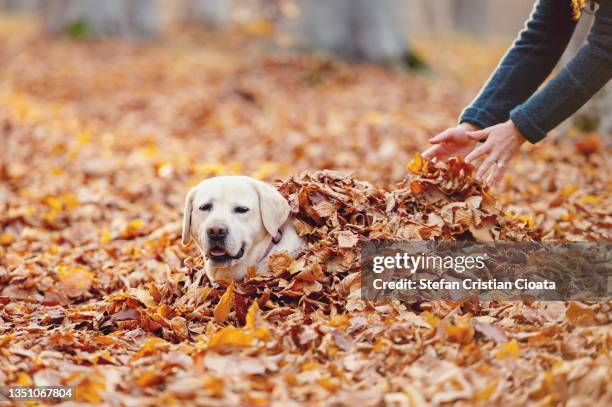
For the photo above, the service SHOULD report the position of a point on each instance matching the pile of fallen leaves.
(100, 143)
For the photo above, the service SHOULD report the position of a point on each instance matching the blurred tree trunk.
(135, 19)
(20, 6)
(471, 16)
(214, 13)
(355, 30)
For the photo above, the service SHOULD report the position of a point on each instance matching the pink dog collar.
(275, 240)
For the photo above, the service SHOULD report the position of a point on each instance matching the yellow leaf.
(230, 336)
(261, 334)
(486, 393)
(151, 347)
(328, 383)
(4, 339)
(416, 165)
(431, 319)
(62, 202)
(144, 296)
(379, 345)
(252, 315)
(591, 199)
(106, 237)
(291, 379)
(339, 321)
(213, 385)
(150, 150)
(508, 350)
(133, 228)
(90, 387)
(527, 220)
(310, 366)
(23, 380)
(569, 190)
(224, 306)
(84, 137)
(75, 281)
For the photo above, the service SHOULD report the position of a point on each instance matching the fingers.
(485, 166)
(479, 135)
(496, 174)
(438, 151)
(444, 136)
(498, 171)
(432, 152)
(477, 153)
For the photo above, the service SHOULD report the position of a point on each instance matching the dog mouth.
(220, 255)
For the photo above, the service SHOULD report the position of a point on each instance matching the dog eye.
(241, 209)
(206, 207)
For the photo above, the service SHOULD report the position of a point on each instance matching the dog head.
(231, 218)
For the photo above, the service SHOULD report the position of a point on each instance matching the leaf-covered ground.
(99, 143)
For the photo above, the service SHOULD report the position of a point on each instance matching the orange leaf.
(90, 386)
(339, 321)
(431, 319)
(252, 315)
(580, 314)
(589, 146)
(213, 385)
(230, 336)
(329, 383)
(416, 187)
(461, 332)
(149, 377)
(6, 239)
(151, 347)
(224, 306)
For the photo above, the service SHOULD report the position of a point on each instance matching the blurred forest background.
(384, 31)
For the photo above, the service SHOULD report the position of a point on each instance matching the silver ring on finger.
(500, 164)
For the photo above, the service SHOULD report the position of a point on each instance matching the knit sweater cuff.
(525, 125)
(479, 117)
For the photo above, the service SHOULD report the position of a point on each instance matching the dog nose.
(217, 232)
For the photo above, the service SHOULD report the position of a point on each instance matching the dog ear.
(273, 206)
(187, 217)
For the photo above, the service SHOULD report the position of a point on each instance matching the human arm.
(525, 66)
(574, 85)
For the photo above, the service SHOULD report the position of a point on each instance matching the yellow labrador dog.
(237, 222)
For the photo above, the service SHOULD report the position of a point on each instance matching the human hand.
(451, 143)
(501, 143)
